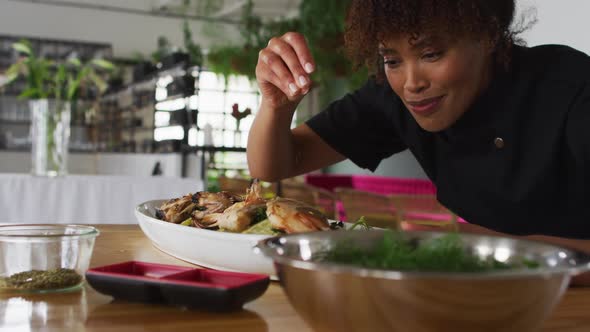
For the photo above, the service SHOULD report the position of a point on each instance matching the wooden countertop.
(87, 310)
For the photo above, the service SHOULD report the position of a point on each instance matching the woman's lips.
(426, 106)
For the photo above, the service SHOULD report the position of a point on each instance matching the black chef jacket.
(518, 161)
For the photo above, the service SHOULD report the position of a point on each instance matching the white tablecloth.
(83, 199)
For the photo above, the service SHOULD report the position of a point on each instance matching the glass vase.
(237, 138)
(50, 136)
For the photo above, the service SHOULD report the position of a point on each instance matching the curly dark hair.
(369, 22)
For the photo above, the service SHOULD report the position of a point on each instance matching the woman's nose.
(415, 80)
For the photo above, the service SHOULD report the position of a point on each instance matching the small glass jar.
(43, 258)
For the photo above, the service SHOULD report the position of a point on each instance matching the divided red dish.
(182, 286)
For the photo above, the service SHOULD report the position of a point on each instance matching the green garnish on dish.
(362, 223)
(259, 215)
(188, 222)
(263, 227)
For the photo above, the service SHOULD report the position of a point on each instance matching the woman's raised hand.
(283, 70)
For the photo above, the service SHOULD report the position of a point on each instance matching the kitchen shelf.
(171, 98)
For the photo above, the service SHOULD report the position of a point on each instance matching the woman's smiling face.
(437, 79)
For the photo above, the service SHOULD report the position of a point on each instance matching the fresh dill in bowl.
(396, 252)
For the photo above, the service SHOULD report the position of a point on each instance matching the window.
(214, 100)
(212, 103)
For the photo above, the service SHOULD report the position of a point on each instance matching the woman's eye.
(432, 55)
(391, 62)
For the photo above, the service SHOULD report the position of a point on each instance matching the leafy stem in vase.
(239, 115)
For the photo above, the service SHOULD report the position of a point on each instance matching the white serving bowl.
(211, 249)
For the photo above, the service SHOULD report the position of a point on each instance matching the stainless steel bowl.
(337, 297)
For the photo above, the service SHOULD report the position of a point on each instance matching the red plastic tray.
(175, 285)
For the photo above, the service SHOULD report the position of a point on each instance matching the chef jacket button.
(499, 142)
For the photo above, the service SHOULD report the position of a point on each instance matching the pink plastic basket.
(376, 184)
(329, 181)
(390, 185)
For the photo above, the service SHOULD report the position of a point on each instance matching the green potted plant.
(52, 88)
(242, 59)
(322, 23)
(194, 50)
(326, 39)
